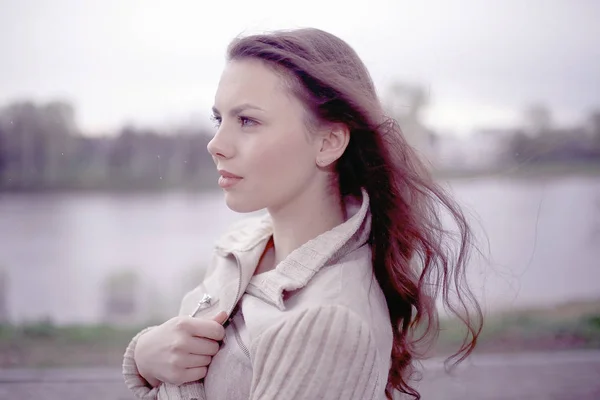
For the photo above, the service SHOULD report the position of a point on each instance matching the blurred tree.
(19, 147)
(541, 142)
(36, 143)
(122, 160)
(3, 157)
(594, 127)
(41, 148)
(406, 103)
(57, 120)
(538, 120)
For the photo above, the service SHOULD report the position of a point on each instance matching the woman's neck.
(306, 217)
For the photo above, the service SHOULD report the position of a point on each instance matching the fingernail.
(221, 317)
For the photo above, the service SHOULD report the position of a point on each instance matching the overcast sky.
(148, 61)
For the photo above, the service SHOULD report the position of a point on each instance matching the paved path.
(535, 376)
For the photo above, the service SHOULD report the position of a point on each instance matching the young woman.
(331, 293)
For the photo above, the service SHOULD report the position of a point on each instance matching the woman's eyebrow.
(238, 109)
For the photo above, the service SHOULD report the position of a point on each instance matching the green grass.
(567, 326)
(44, 344)
(47, 331)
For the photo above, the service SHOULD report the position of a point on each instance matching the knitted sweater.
(315, 327)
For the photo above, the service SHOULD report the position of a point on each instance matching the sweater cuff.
(134, 381)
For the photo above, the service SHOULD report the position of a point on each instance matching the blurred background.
(109, 206)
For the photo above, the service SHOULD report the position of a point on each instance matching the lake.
(541, 238)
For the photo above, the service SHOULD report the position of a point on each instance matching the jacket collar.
(296, 270)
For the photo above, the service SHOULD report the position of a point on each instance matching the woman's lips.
(227, 179)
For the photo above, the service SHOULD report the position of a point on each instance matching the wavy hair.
(416, 260)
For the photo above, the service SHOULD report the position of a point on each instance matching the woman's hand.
(180, 350)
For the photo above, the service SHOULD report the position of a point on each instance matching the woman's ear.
(333, 143)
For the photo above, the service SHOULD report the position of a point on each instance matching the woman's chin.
(238, 204)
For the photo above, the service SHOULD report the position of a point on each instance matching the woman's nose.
(218, 146)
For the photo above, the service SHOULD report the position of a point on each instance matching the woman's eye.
(216, 120)
(245, 121)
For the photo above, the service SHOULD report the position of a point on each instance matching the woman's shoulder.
(348, 279)
(348, 283)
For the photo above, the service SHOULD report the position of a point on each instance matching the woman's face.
(262, 146)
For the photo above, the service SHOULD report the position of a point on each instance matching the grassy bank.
(573, 325)
(568, 326)
(44, 344)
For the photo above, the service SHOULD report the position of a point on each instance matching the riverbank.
(568, 326)
(548, 170)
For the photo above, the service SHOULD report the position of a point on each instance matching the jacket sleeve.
(134, 381)
(326, 353)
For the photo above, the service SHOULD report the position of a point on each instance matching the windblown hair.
(416, 260)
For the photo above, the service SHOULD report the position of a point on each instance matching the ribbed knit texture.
(142, 389)
(323, 353)
(134, 381)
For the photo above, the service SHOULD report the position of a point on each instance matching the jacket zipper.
(203, 304)
(239, 289)
(236, 333)
(238, 339)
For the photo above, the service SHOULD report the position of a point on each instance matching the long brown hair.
(415, 258)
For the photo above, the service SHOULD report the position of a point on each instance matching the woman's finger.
(195, 361)
(202, 346)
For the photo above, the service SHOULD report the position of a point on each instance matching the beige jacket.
(315, 327)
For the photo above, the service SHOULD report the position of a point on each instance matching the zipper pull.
(205, 302)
